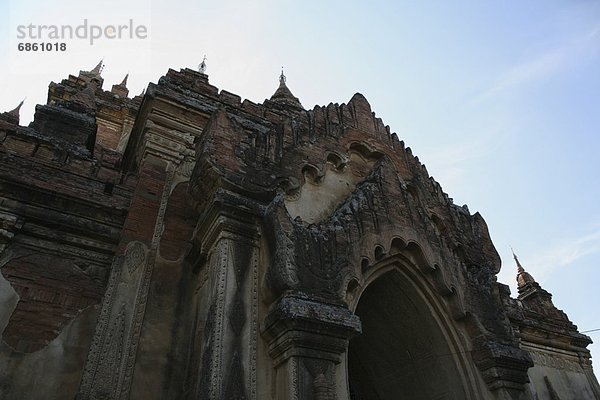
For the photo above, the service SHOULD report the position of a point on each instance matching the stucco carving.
(234, 242)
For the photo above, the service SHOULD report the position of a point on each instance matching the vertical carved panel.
(134, 256)
(221, 273)
(128, 284)
(94, 358)
(253, 324)
(210, 381)
(141, 297)
(196, 338)
(109, 365)
(317, 380)
(105, 358)
(234, 383)
(228, 362)
(206, 377)
(291, 378)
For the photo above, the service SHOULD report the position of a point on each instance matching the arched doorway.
(403, 352)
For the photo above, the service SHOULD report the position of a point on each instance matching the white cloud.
(541, 66)
(450, 164)
(575, 51)
(564, 254)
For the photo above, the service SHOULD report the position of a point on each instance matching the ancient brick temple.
(185, 244)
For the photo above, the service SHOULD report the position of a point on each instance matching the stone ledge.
(299, 325)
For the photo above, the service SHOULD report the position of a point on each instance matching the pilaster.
(109, 367)
(228, 361)
(307, 338)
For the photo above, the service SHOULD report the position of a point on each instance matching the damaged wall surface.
(186, 244)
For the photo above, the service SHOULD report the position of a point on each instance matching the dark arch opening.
(402, 352)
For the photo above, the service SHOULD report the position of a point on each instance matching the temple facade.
(186, 244)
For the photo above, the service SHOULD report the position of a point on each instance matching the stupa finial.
(202, 66)
(282, 78)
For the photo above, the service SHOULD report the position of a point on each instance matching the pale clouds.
(450, 164)
(538, 67)
(564, 254)
(577, 50)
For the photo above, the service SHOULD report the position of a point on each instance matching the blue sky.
(500, 100)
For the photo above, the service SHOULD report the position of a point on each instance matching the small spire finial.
(98, 68)
(17, 109)
(14, 114)
(202, 66)
(520, 269)
(124, 83)
(282, 77)
(523, 277)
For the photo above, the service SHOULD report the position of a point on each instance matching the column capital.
(303, 326)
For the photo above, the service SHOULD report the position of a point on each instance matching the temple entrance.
(403, 353)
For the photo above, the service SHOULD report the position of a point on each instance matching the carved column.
(228, 360)
(307, 339)
(110, 362)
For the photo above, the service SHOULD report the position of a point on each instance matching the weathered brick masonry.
(186, 244)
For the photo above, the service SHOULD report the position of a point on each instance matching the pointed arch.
(409, 330)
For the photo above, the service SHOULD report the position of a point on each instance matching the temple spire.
(17, 110)
(537, 298)
(282, 78)
(13, 115)
(98, 68)
(524, 278)
(121, 88)
(283, 96)
(202, 66)
(520, 269)
(94, 75)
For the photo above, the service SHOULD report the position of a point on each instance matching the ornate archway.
(408, 348)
